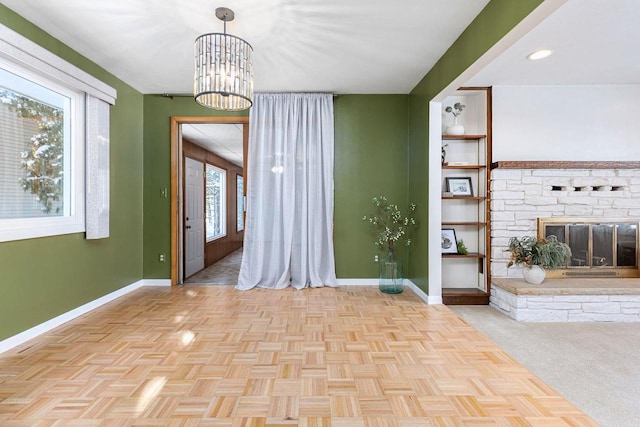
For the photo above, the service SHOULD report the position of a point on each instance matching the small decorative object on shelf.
(448, 241)
(459, 186)
(462, 248)
(456, 110)
(444, 154)
(391, 226)
(537, 255)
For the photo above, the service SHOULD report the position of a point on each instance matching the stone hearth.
(568, 300)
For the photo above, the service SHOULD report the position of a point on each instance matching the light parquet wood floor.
(214, 356)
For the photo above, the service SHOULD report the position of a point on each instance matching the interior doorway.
(219, 238)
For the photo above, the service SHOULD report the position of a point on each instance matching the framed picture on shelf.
(448, 241)
(460, 186)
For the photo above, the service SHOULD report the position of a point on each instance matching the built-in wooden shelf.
(464, 167)
(470, 216)
(464, 223)
(469, 255)
(464, 296)
(463, 198)
(463, 137)
(517, 164)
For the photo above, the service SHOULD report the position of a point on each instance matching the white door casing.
(193, 217)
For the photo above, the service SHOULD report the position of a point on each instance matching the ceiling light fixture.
(224, 71)
(539, 54)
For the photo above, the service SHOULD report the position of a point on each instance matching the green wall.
(370, 160)
(43, 278)
(158, 111)
(495, 21)
(381, 149)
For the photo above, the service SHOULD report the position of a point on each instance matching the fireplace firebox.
(600, 247)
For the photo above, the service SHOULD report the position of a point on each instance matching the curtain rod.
(174, 95)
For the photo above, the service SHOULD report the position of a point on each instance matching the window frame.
(73, 218)
(91, 198)
(223, 202)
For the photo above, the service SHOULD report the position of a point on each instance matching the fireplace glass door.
(597, 246)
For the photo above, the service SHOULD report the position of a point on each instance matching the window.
(41, 155)
(240, 203)
(52, 114)
(215, 202)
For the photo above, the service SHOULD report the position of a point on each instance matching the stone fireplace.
(594, 207)
(584, 202)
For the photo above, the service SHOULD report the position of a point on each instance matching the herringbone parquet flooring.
(214, 356)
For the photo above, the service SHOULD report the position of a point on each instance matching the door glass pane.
(240, 203)
(215, 209)
(579, 243)
(627, 238)
(602, 245)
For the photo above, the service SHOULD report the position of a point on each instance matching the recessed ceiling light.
(539, 54)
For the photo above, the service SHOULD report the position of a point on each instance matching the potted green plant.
(391, 227)
(538, 255)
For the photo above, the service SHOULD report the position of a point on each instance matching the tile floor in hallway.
(223, 272)
(211, 355)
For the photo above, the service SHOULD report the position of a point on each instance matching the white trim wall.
(435, 201)
(569, 123)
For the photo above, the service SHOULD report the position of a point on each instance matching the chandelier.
(223, 77)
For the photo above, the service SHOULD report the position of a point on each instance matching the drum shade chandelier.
(223, 77)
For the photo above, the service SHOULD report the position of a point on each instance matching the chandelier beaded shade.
(223, 77)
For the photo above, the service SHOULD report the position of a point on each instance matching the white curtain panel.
(289, 231)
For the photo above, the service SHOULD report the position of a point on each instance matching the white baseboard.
(408, 283)
(426, 298)
(358, 282)
(31, 333)
(156, 282)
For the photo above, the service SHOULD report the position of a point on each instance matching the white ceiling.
(222, 139)
(339, 46)
(595, 42)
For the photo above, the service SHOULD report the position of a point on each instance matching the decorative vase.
(391, 274)
(456, 128)
(534, 274)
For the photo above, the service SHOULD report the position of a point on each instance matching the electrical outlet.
(375, 258)
(164, 193)
(161, 257)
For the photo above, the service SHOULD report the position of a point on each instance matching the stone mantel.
(563, 164)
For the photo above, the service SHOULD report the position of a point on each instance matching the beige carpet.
(596, 366)
(223, 272)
